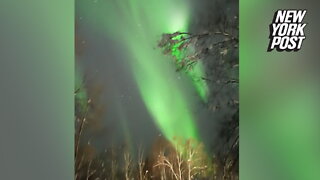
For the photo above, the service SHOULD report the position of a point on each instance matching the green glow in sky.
(195, 73)
(138, 25)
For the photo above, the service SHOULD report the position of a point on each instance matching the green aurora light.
(138, 25)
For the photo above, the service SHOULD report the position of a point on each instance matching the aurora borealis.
(137, 26)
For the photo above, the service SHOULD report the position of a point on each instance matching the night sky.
(117, 50)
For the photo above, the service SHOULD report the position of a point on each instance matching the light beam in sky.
(138, 25)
